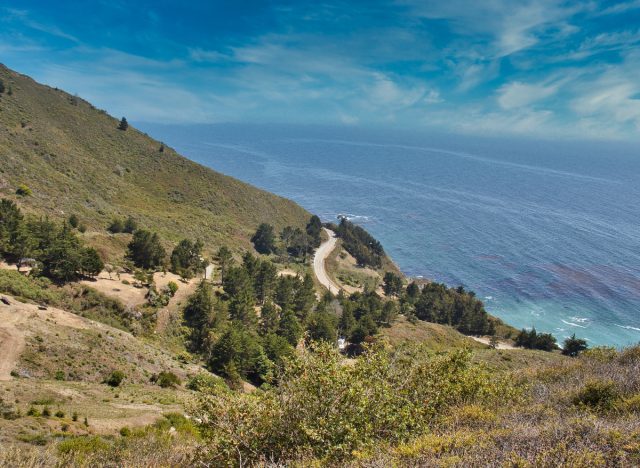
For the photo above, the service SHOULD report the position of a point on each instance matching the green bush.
(206, 383)
(83, 445)
(172, 286)
(325, 409)
(46, 412)
(23, 191)
(168, 379)
(598, 394)
(115, 378)
(59, 414)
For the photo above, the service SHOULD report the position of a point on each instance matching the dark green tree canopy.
(145, 250)
(123, 125)
(264, 239)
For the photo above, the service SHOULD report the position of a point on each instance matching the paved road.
(319, 258)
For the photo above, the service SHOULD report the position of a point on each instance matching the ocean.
(546, 233)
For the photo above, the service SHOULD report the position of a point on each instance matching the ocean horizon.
(545, 232)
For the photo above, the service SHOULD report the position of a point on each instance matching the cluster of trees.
(258, 321)
(436, 302)
(294, 242)
(531, 339)
(363, 246)
(57, 250)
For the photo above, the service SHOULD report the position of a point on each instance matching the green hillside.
(75, 160)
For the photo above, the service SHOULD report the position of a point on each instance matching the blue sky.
(542, 68)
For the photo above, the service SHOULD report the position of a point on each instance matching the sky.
(544, 68)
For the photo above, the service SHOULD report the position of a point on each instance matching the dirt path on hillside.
(319, 260)
(499, 345)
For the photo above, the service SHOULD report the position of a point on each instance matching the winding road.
(319, 258)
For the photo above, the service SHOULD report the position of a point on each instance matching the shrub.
(172, 287)
(115, 378)
(46, 412)
(74, 221)
(598, 394)
(327, 410)
(206, 383)
(83, 445)
(125, 432)
(23, 191)
(59, 375)
(59, 414)
(74, 416)
(33, 411)
(168, 379)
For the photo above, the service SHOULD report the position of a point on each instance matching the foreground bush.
(327, 409)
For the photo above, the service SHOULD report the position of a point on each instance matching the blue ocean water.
(547, 233)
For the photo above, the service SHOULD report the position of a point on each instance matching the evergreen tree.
(265, 281)
(145, 250)
(186, 258)
(322, 327)
(347, 321)
(290, 328)
(413, 290)
(573, 346)
(225, 261)
(392, 284)
(269, 319)
(90, 262)
(314, 229)
(305, 297)
(1, 86)
(264, 239)
(74, 221)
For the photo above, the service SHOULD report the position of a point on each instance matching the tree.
(265, 281)
(145, 250)
(123, 125)
(322, 327)
(1, 86)
(203, 313)
(305, 297)
(225, 261)
(90, 262)
(347, 321)
(392, 284)
(62, 257)
(264, 239)
(269, 318)
(314, 229)
(239, 352)
(573, 346)
(186, 258)
(413, 290)
(290, 328)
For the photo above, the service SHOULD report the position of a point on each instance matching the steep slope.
(75, 160)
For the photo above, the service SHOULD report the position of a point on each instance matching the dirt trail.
(319, 259)
(499, 345)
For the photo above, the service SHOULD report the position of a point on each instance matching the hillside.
(75, 160)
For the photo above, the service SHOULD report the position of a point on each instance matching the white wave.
(489, 298)
(580, 319)
(572, 324)
(627, 327)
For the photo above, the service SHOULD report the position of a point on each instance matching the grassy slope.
(76, 161)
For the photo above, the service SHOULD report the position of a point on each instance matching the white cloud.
(517, 94)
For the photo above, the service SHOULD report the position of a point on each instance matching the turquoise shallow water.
(547, 233)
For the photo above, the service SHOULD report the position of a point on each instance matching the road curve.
(319, 258)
